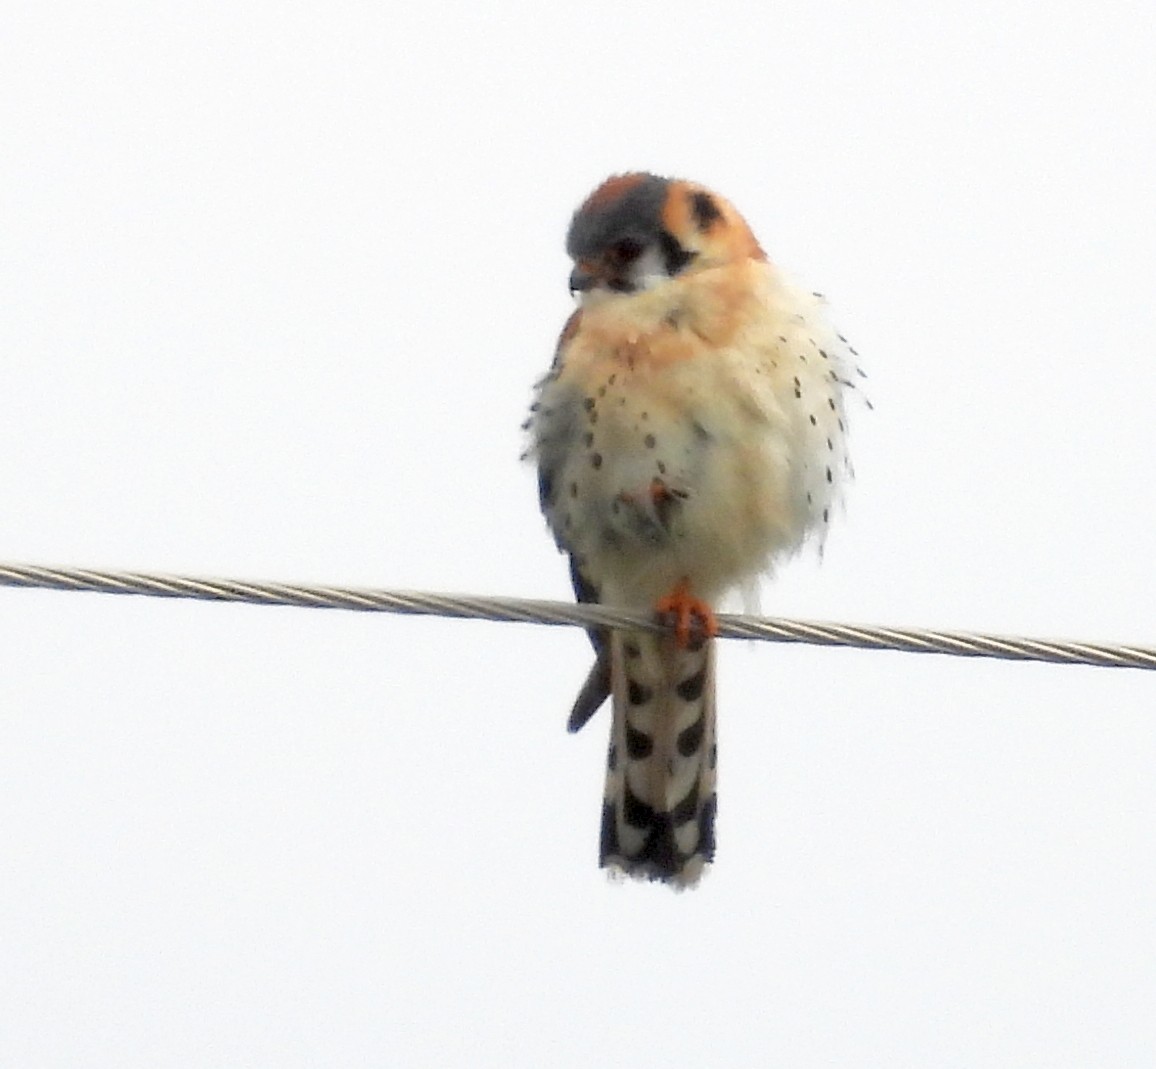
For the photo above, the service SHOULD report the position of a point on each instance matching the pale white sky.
(276, 282)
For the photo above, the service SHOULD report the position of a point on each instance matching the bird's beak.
(582, 278)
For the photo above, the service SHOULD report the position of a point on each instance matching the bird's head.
(638, 231)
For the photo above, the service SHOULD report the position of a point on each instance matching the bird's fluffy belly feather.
(675, 472)
(693, 437)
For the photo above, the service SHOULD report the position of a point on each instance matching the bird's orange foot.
(693, 620)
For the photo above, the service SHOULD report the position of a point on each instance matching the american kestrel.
(689, 434)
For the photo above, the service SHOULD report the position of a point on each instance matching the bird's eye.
(625, 251)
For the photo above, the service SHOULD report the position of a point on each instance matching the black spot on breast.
(691, 739)
(650, 441)
(596, 460)
(829, 479)
(690, 690)
(826, 515)
(639, 745)
(704, 210)
(675, 256)
(588, 438)
(661, 468)
(814, 421)
(631, 650)
(588, 404)
(573, 489)
(612, 758)
(637, 694)
(714, 755)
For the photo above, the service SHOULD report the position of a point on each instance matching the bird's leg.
(651, 506)
(664, 498)
(693, 620)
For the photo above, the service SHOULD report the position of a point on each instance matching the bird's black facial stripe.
(705, 210)
(674, 255)
(630, 262)
(627, 250)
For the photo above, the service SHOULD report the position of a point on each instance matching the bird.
(689, 435)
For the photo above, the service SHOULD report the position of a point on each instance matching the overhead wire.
(478, 607)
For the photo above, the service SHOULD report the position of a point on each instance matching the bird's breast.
(675, 456)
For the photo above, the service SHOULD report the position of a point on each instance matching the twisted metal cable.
(907, 640)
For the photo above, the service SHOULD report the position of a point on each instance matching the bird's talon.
(692, 619)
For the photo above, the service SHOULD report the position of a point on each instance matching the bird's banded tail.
(659, 804)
